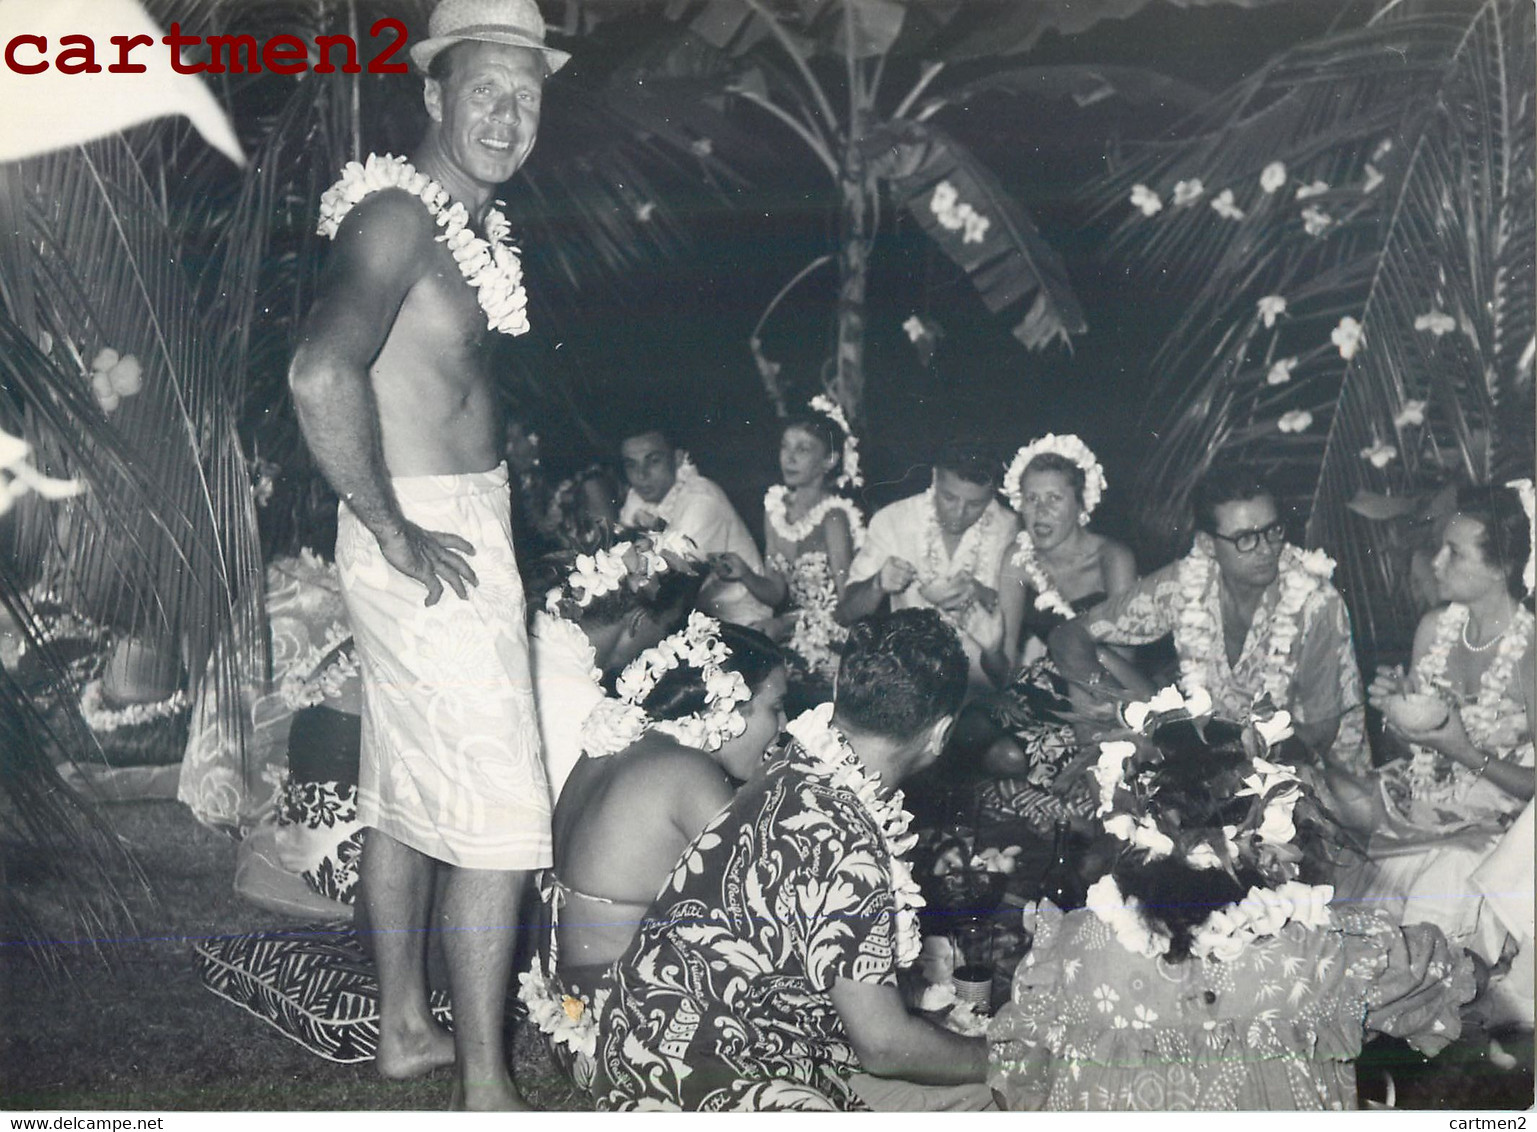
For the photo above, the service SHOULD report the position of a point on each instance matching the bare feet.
(487, 1096)
(403, 1054)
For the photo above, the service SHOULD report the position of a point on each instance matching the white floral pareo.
(833, 756)
(490, 265)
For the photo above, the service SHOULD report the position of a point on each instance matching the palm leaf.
(1009, 264)
(1421, 125)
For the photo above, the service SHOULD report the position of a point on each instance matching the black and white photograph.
(798, 556)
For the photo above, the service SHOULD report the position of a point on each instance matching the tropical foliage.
(864, 87)
(1358, 218)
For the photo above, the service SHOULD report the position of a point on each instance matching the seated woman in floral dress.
(810, 536)
(693, 718)
(1206, 971)
(1059, 569)
(1465, 708)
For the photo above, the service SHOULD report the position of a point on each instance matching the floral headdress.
(849, 476)
(632, 563)
(1069, 447)
(1264, 838)
(697, 645)
(1528, 494)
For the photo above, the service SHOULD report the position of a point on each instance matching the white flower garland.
(1275, 781)
(1069, 447)
(611, 726)
(1228, 930)
(968, 551)
(299, 691)
(1048, 598)
(849, 475)
(776, 512)
(565, 1019)
(595, 575)
(99, 717)
(1198, 633)
(1431, 775)
(816, 630)
(833, 757)
(699, 646)
(490, 265)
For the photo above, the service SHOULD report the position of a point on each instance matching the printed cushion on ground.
(313, 983)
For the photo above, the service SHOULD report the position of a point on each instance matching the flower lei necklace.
(490, 265)
(1198, 631)
(968, 551)
(99, 717)
(776, 511)
(1048, 598)
(1428, 769)
(832, 756)
(699, 646)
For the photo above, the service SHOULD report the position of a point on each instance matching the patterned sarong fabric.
(450, 751)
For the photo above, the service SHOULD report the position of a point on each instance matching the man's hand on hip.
(425, 555)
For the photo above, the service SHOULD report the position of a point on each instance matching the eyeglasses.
(1246, 542)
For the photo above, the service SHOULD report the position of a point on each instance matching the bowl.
(1416, 711)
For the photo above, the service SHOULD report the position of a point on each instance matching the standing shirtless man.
(392, 384)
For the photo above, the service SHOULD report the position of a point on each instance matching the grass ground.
(140, 1033)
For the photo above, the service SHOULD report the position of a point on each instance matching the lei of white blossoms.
(697, 645)
(1431, 775)
(1264, 911)
(595, 575)
(1047, 597)
(849, 475)
(775, 510)
(969, 550)
(99, 717)
(565, 1019)
(490, 265)
(1069, 447)
(299, 691)
(833, 757)
(1198, 636)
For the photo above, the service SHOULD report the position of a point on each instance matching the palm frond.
(1007, 260)
(1419, 127)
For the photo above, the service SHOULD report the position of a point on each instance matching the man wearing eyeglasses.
(1228, 605)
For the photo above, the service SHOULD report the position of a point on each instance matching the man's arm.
(384, 246)
(890, 1042)
(875, 572)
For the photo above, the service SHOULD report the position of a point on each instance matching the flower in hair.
(631, 563)
(849, 476)
(698, 646)
(1069, 447)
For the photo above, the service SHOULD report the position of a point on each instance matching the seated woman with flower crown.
(810, 536)
(1207, 971)
(1465, 710)
(1020, 739)
(693, 717)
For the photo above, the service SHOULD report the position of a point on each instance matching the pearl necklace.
(1490, 643)
(491, 265)
(776, 511)
(1429, 771)
(832, 757)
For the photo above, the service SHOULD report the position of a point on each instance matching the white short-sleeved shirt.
(698, 508)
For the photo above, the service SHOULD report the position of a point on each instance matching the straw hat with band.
(516, 23)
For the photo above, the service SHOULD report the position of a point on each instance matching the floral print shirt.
(1091, 1025)
(723, 1002)
(1325, 682)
